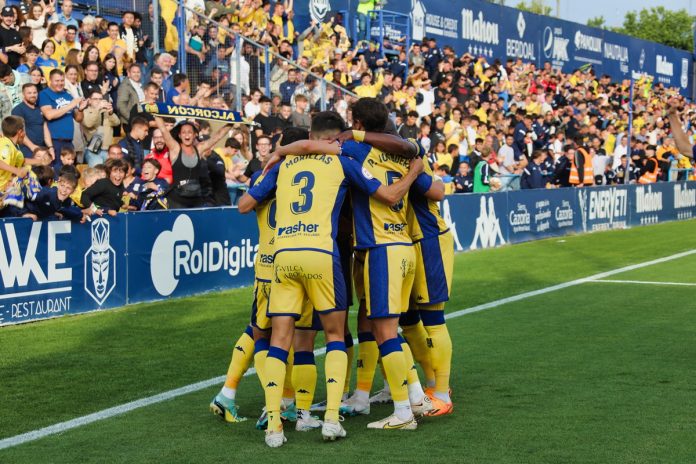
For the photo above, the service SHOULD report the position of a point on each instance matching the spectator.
(98, 125)
(55, 202)
(410, 130)
(11, 83)
(160, 153)
(72, 42)
(61, 111)
(36, 129)
(105, 195)
(533, 176)
(131, 145)
(56, 34)
(130, 93)
(189, 169)
(10, 41)
(113, 44)
(287, 88)
(11, 159)
(145, 191)
(92, 80)
(37, 20)
(266, 124)
(463, 181)
(65, 16)
(299, 117)
(219, 195)
(253, 106)
(128, 34)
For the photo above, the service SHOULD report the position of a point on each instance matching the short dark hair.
(179, 79)
(233, 143)
(28, 85)
(293, 134)
(72, 27)
(372, 113)
(112, 24)
(68, 177)
(325, 121)
(11, 125)
(55, 72)
(5, 70)
(151, 85)
(115, 164)
(157, 165)
(265, 99)
(139, 121)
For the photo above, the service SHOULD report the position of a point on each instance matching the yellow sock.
(396, 369)
(288, 389)
(241, 358)
(335, 370)
(304, 379)
(417, 338)
(410, 363)
(260, 353)
(368, 354)
(275, 367)
(350, 353)
(441, 356)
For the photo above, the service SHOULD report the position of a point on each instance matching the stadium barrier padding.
(54, 268)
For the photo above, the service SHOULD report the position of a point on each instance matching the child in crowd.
(55, 202)
(105, 195)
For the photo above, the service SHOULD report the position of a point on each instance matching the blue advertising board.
(55, 268)
(177, 253)
(494, 31)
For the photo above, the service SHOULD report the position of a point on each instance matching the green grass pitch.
(597, 372)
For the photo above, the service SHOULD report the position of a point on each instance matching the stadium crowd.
(75, 129)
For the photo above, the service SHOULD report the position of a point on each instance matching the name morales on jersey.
(298, 228)
(326, 159)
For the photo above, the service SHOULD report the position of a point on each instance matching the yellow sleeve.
(379, 83)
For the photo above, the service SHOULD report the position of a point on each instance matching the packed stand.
(73, 95)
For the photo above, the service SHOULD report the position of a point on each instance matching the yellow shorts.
(301, 275)
(388, 278)
(262, 290)
(359, 274)
(434, 267)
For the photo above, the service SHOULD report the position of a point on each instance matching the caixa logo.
(176, 255)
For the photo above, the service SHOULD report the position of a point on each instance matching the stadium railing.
(260, 72)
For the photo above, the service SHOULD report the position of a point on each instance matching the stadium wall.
(55, 268)
(495, 31)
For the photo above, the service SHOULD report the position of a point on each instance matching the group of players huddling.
(329, 201)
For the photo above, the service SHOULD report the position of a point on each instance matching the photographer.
(98, 127)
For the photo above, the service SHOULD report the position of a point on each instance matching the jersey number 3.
(305, 180)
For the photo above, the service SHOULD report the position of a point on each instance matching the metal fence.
(250, 66)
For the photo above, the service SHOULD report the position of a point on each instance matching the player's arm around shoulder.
(261, 191)
(393, 193)
(385, 142)
(303, 147)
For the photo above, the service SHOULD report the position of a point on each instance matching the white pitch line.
(645, 282)
(164, 396)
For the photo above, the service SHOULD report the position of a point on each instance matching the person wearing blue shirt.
(54, 202)
(147, 187)
(61, 111)
(533, 176)
(37, 133)
(287, 88)
(65, 15)
(521, 130)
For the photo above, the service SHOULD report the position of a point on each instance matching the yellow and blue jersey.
(10, 154)
(423, 215)
(377, 224)
(310, 190)
(265, 219)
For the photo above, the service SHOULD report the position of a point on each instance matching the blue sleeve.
(266, 188)
(356, 150)
(359, 177)
(423, 183)
(72, 213)
(44, 100)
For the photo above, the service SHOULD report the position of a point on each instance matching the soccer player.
(383, 243)
(310, 194)
(254, 341)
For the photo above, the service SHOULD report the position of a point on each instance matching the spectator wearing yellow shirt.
(110, 43)
(366, 89)
(11, 159)
(56, 34)
(454, 132)
(282, 17)
(482, 112)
